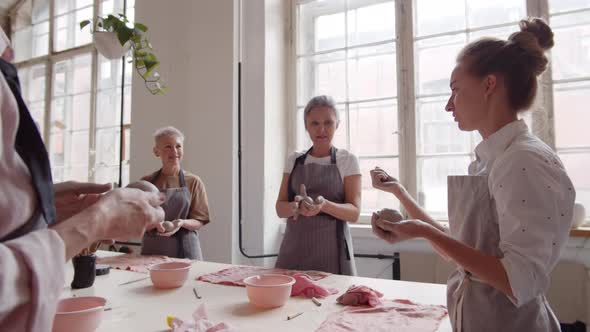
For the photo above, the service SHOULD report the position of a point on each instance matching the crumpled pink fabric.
(200, 323)
(360, 295)
(396, 315)
(306, 286)
(135, 262)
(235, 275)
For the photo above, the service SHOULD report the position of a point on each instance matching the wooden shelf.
(580, 232)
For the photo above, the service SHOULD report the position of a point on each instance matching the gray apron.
(474, 305)
(321, 242)
(183, 243)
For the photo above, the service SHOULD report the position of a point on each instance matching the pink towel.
(396, 315)
(306, 286)
(235, 275)
(360, 295)
(135, 262)
(200, 323)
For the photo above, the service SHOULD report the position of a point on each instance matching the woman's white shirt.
(534, 200)
(347, 163)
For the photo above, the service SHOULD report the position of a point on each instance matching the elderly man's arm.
(31, 280)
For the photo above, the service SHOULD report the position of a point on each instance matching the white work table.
(139, 306)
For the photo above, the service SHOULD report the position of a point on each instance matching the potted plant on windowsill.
(114, 35)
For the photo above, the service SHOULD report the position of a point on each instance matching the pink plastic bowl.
(169, 275)
(269, 290)
(81, 314)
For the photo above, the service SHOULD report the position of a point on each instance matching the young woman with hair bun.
(510, 217)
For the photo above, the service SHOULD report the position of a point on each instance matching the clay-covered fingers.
(381, 233)
(81, 188)
(154, 199)
(320, 200)
(387, 225)
(380, 176)
(384, 233)
(302, 190)
(128, 212)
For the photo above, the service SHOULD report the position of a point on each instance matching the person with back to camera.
(42, 224)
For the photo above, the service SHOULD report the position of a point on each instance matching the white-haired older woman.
(186, 203)
(317, 236)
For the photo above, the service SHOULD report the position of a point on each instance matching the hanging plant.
(114, 35)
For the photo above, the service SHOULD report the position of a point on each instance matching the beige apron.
(473, 305)
(183, 243)
(321, 242)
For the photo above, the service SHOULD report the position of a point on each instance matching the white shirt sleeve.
(31, 280)
(348, 163)
(534, 201)
(291, 162)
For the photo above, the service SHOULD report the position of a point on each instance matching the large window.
(74, 93)
(388, 63)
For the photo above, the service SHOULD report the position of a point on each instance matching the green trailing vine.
(142, 51)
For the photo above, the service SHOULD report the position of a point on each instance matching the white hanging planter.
(108, 45)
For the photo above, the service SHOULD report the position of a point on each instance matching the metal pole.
(121, 123)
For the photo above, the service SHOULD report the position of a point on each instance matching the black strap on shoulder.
(301, 161)
(29, 145)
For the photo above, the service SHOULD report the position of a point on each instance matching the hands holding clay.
(305, 205)
(171, 227)
(71, 197)
(146, 186)
(383, 181)
(389, 225)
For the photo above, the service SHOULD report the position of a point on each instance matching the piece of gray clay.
(391, 215)
(319, 200)
(308, 200)
(168, 226)
(144, 186)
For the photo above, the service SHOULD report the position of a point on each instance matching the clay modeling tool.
(196, 293)
(294, 316)
(132, 281)
(316, 301)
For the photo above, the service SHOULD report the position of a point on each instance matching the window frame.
(50, 60)
(407, 95)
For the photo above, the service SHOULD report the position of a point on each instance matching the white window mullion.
(406, 95)
(542, 110)
(346, 77)
(93, 99)
(292, 88)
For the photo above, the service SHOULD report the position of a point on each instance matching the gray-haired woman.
(317, 235)
(186, 205)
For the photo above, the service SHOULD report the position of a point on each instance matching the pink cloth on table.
(135, 262)
(235, 275)
(200, 323)
(360, 295)
(396, 315)
(306, 286)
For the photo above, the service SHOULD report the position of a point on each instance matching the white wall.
(264, 122)
(196, 42)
